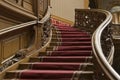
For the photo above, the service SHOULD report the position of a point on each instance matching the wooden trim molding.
(10, 20)
(17, 6)
(86, 3)
(62, 19)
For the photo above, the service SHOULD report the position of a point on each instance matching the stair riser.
(53, 75)
(70, 36)
(70, 40)
(55, 67)
(67, 49)
(70, 44)
(49, 59)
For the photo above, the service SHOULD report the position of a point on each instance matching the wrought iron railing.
(98, 23)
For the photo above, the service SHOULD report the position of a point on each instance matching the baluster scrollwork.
(17, 57)
(85, 20)
(98, 23)
(46, 31)
(106, 41)
(90, 20)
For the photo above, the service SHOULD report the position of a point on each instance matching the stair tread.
(69, 51)
(71, 39)
(73, 42)
(65, 53)
(61, 57)
(51, 71)
(51, 74)
(60, 63)
(81, 46)
(73, 32)
(70, 43)
(87, 47)
(56, 66)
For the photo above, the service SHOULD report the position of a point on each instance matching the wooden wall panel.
(4, 23)
(0, 52)
(27, 4)
(10, 46)
(43, 5)
(13, 1)
(26, 39)
(108, 4)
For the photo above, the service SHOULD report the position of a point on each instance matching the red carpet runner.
(68, 58)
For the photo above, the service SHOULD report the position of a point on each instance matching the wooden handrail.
(43, 20)
(3, 31)
(46, 17)
(98, 22)
(97, 48)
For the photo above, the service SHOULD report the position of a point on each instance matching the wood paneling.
(10, 46)
(0, 52)
(22, 5)
(13, 1)
(27, 4)
(43, 5)
(24, 40)
(5, 24)
(108, 4)
(19, 11)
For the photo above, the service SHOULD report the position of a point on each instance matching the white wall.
(65, 8)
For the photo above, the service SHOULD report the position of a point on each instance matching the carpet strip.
(69, 57)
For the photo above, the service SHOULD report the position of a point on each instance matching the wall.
(65, 8)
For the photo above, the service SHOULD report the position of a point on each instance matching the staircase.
(69, 57)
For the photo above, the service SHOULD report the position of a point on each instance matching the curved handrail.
(46, 17)
(97, 48)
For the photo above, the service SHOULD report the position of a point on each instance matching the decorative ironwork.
(46, 31)
(90, 20)
(106, 41)
(115, 31)
(87, 19)
(17, 57)
(113, 3)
